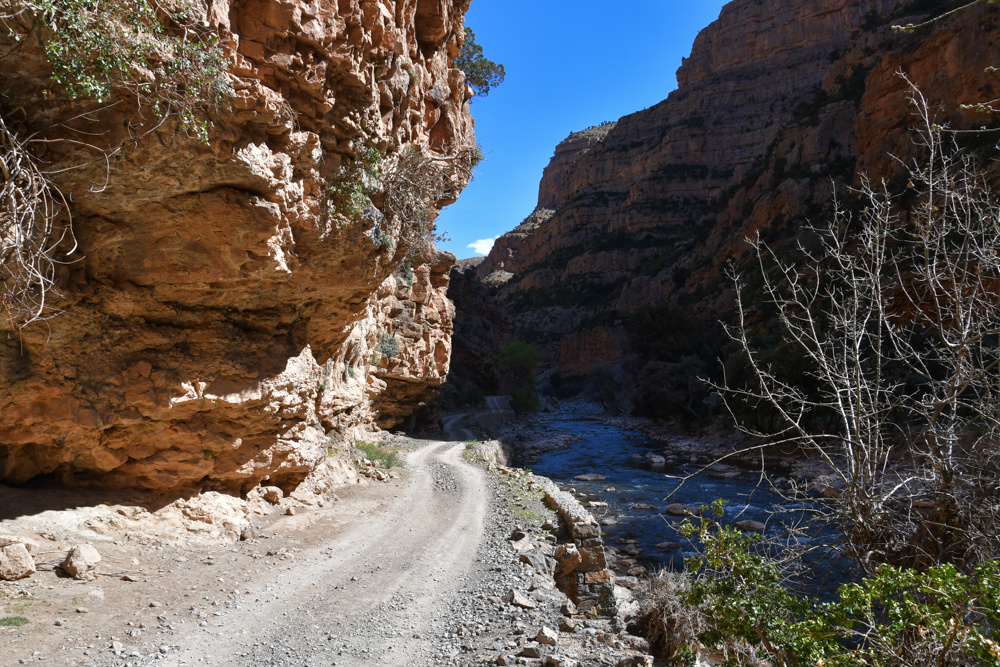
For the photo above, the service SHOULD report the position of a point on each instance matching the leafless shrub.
(34, 221)
(899, 319)
(669, 623)
(415, 184)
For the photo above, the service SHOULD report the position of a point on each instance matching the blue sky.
(570, 64)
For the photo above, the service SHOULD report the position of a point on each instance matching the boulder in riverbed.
(750, 526)
(590, 477)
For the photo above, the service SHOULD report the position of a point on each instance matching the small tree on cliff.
(480, 72)
(518, 362)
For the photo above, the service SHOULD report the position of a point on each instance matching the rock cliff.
(219, 325)
(482, 329)
(778, 99)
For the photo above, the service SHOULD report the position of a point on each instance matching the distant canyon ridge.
(779, 103)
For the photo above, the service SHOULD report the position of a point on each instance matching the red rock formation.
(220, 324)
(777, 98)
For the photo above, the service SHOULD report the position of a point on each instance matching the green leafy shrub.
(388, 346)
(167, 60)
(381, 456)
(480, 72)
(358, 178)
(739, 600)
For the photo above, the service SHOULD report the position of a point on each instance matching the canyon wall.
(778, 100)
(218, 324)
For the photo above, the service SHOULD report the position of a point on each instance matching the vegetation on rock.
(481, 73)
(737, 599)
(167, 62)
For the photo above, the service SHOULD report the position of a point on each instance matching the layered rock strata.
(219, 321)
(777, 100)
(582, 567)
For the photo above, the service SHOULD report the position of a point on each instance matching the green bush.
(388, 346)
(167, 60)
(745, 607)
(357, 179)
(381, 456)
(517, 364)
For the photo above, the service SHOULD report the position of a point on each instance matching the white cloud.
(483, 246)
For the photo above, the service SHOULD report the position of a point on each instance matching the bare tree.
(413, 186)
(899, 319)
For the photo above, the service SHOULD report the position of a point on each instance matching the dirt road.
(367, 595)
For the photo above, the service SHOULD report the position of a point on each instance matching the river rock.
(81, 561)
(656, 460)
(750, 526)
(642, 506)
(15, 562)
(676, 509)
(590, 477)
(669, 546)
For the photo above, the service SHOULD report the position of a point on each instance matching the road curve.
(369, 594)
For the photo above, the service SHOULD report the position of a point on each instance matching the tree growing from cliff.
(518, 362)
(898, 320)
(480, 72)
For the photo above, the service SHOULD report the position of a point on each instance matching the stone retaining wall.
(582, 569)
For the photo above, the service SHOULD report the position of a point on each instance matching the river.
(608, 450)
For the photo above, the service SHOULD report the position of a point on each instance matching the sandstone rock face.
(219, 322)
(777, 99)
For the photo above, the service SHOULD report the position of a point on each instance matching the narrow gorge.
(780, 107)
(255, 411)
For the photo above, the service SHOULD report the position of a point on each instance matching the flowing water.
(608, 450)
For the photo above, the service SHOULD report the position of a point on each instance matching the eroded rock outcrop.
(777, 99)
(219, 323)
